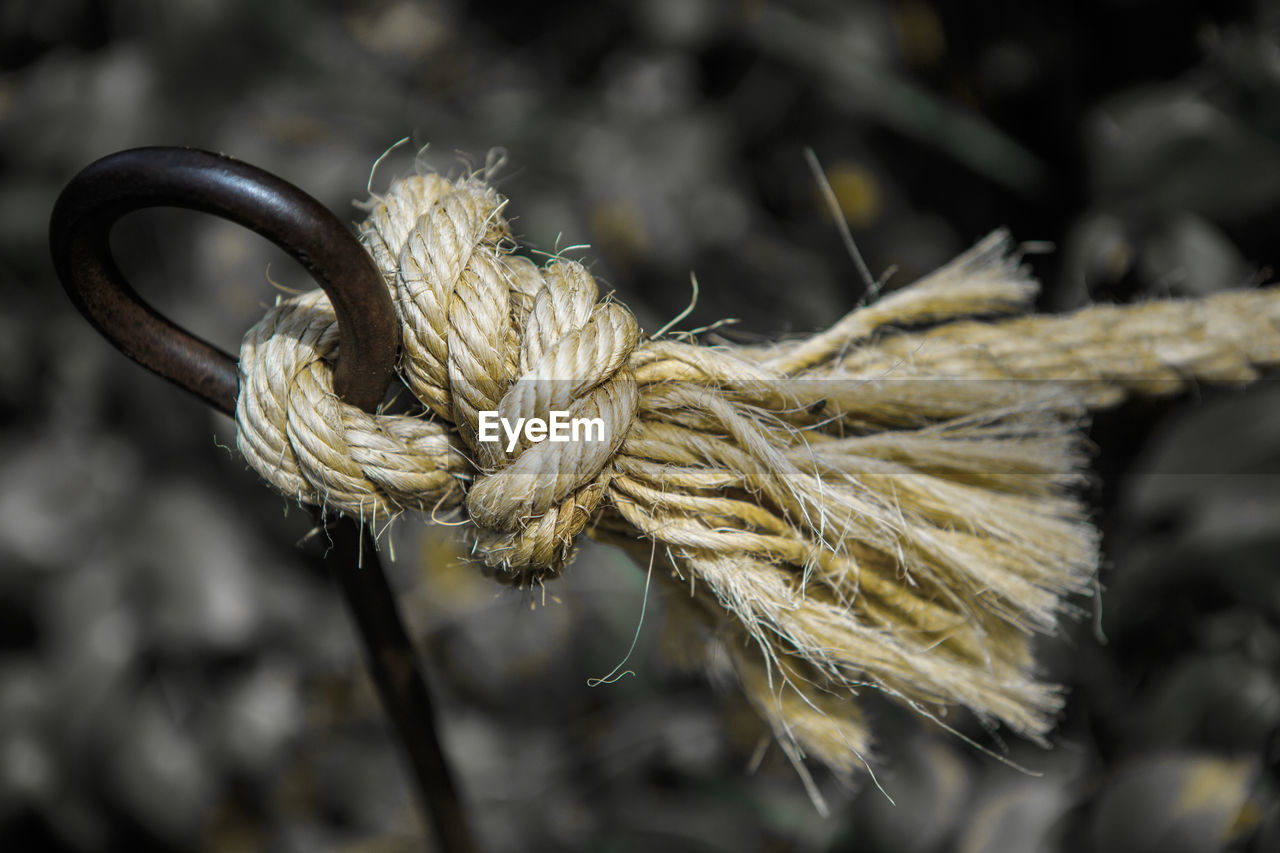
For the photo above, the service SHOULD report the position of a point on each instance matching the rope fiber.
(889, 504)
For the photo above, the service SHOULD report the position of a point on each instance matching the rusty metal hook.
(140, 178)
(79, 233)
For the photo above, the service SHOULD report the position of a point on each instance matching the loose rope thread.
(889, 504)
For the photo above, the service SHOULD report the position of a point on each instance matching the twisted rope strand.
(886, 504)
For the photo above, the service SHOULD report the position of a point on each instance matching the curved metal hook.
(367, 334)
(131, 180)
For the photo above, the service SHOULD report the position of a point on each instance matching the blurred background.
(176, 674)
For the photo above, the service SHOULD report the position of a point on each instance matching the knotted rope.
(887, 504)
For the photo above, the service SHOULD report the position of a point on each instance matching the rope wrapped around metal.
(889, 504)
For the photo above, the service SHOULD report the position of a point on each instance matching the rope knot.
(836, 511)
(508, 353)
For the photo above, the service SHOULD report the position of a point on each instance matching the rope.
(887, 504)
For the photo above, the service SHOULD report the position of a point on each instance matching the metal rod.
(401, 686)
(213, 183)
(79, 235)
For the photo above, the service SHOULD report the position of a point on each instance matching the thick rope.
(888, 504)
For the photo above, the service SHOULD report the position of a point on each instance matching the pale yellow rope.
(886, 505)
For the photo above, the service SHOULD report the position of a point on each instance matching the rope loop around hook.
(890, 502)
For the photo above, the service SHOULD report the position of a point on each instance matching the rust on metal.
(121, 183)
(367, 336)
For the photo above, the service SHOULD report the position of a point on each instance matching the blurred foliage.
(175, 674)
